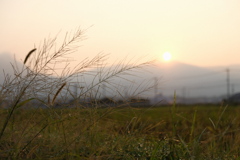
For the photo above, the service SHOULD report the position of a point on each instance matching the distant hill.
(6, 59)
(192, 81)
(187, 80)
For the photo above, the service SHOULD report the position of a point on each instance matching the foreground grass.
(182, 132)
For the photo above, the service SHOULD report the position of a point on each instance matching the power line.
(207, 87)
(199, 87)
(196, 76)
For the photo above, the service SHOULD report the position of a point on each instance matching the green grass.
(101, 132)
(190, 132)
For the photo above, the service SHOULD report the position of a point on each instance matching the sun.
(167, 56)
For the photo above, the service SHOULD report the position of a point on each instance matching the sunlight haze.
(167, 56)
(202, 33)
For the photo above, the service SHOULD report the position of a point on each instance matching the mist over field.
(119, 79)
(6, 61)
(186, 80)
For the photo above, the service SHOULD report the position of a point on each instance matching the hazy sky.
(200, 32)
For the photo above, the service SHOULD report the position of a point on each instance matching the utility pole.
(233, 89)
(126, 92)
(184, 94)
(104, 90)
(228, 83)
(76, 90)
(155, 86)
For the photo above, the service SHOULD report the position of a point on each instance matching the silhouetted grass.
(40, 83)
(32, 127)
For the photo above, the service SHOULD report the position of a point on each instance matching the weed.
(38, 84)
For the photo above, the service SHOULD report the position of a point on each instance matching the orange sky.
(202, 32)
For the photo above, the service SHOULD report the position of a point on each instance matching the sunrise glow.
(167, 56)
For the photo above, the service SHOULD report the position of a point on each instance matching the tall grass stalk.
(173, 114)
(193, 126)
(40, 79)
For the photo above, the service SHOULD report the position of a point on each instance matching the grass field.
(170, 132)
(97, 131)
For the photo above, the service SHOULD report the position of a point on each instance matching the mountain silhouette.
(184, 79)
(193, 81)
(6, 62)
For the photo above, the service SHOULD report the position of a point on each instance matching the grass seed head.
(58, 91)
(29, 54)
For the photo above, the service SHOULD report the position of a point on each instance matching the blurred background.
(201, 39)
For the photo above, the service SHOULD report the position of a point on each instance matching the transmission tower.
(228, 83)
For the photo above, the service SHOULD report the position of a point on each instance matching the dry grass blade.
(29, 54)
(58, 91)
